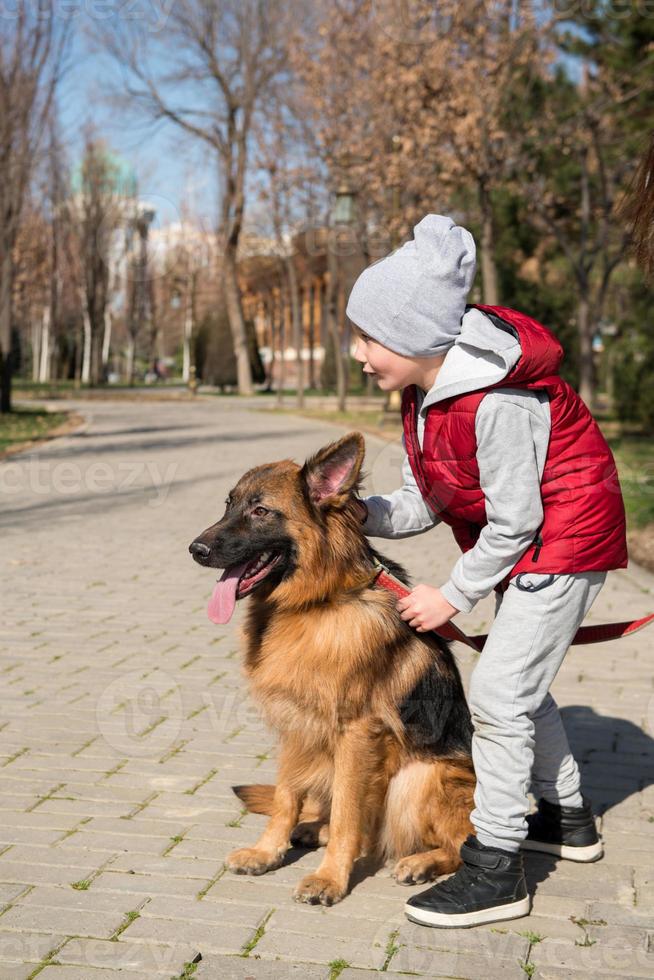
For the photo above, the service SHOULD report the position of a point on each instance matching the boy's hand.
(425, 608)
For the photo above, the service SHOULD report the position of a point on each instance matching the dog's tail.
(257, 797)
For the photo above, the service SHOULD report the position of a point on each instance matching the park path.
(124, 722)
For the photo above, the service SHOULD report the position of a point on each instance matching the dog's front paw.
(251, 861)
(415, 869)
(315, 890)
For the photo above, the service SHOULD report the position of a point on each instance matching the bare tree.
(280, 156)
(206, 71)
(33, 46)
(32, 279)
(55, 204)
(98, 207)
(140, 291)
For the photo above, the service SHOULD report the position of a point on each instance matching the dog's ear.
(334, 470)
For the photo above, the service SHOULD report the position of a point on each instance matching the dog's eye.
(260, 511)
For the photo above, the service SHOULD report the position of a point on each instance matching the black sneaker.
(489, 886)
(564, 831)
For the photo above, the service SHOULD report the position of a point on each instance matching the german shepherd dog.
(375, 732)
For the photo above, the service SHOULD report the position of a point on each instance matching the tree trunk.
(312, 339)
(296, 320)
(86, 356)
(106, 340)
(5, 382)
(188, 333)
(97, 376)
(131, 344)
(488, 266)
(236, 322)
(6, 304)
(44, 360)
(333, 323)
(282, 348)
(36, 349)
(78, 355)
(586, 362)
(343, 358)
(270, 317)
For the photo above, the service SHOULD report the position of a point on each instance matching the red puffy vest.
(583, 525)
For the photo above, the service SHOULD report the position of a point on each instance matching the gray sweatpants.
(519, 736)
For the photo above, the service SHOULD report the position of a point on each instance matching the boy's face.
(392, 371)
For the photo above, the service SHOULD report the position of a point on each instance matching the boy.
(502, 449)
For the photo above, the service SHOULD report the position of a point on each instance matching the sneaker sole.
(591, 852)
(465, 919)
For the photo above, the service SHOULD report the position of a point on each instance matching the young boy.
(502, 449)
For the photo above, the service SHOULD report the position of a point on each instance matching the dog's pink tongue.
(223, 600)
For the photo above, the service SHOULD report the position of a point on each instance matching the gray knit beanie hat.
(412, 301)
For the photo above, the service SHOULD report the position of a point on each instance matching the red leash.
(448, 631)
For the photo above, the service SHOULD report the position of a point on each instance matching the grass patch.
(236, 822)
(249, 946)
(82, 885)
(189, 968)
(129, 918)
(370, 420)
(25, 425)
(336, 967)
(582, 923)
(391, 949)
(177, 839)
(634, 456)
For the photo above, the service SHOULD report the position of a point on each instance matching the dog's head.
(287, 528)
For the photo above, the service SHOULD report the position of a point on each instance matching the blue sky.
(170, 169)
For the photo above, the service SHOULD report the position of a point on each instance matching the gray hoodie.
(512, 428)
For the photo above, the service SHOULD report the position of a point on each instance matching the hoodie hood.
(482, 355)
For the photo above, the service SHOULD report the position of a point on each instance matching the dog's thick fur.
(374, 728)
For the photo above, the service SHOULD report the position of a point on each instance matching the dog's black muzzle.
(201, 552)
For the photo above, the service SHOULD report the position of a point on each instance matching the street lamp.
(343, 210)
(340, 244)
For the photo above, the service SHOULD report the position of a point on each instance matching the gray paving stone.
(318, 921)
(152, 959)
(24, 946)
(170, 866)
(16, 971)
(68, 921)
(463, 964)
(145, 885)
(290, 946)
(212, 967)
(30, 874)
(86, 973)
(620, 914)
(213, 913)
(493, 943)
(9, 892)
(36, 854)
(68, 898)
(598, 959)
(212, 937)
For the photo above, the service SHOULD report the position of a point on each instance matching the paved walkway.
(123, 724)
